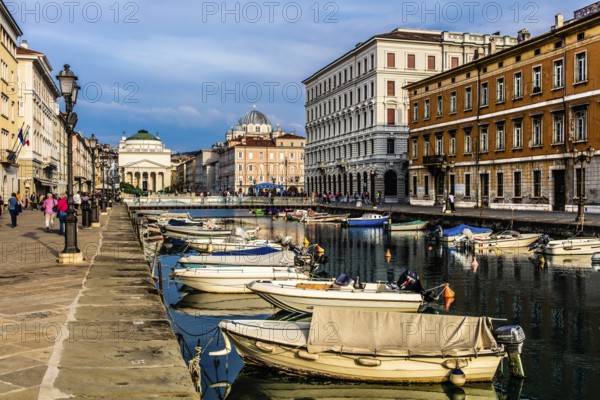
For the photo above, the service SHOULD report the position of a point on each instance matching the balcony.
(321, 166)
(434, 161)
(8, 157)
(341, 164)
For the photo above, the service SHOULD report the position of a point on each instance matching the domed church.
(255, 154)
(144, 162)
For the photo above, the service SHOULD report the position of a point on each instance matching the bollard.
(85, 217)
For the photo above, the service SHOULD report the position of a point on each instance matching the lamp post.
(446, 168)
(94, 207)
(582, 158)
(69, 89)
(103, 199)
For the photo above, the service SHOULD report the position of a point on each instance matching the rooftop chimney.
(523, 35)
(559, 21)
(491, 47)
(24, 44)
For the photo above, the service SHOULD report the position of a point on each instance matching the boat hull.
(523, 240)
(278, 259)
(232, 280)
(190, 232)
(408, 227)
(295, 359)
(289, 297)
(357, 222)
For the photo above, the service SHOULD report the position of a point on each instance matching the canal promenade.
(96, 329)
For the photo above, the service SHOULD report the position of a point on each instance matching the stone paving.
(92, 330)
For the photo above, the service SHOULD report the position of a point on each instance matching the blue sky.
(190, 69)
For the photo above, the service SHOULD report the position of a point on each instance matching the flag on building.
(21, 137)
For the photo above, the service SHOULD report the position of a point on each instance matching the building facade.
(144, 162)
(357, 112)
(42, 161)
(514, 129)
(256, 153)
(10, 145)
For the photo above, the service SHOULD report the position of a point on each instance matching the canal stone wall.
(94, 330)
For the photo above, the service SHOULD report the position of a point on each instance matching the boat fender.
(307, 356)
(458, 377)
(267, 348)
(368, 362)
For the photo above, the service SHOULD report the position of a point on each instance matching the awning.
(45, 182)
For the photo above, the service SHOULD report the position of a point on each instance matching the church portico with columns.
(144, 162)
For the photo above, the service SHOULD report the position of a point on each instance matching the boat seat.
(314, 285)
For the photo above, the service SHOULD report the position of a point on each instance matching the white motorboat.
(233, 279)
(376, 346)
(575, 245)
(503, 240)
(282, 258)
(192, 231)
(224, 244)
(304, 296)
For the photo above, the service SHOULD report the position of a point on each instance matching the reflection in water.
(556, 306)
(254, 384)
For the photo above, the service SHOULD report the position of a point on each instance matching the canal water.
(557, 303)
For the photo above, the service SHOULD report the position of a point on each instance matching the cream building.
(144, 162)
(357, 112)
(42, 163)
(256, 153)
(9, 121)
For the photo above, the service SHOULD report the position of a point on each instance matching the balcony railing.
(8, 157)
(434, 160)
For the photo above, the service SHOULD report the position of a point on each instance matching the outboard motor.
(542, 241)
(512, 337)
(344, 280)
(409, 280)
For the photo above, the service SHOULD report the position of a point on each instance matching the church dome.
(255, 118)
(142, 135)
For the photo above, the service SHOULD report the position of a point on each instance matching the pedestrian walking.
(33, 198)
(63, 206)
(1, 205)
(77, 201)
(13, 204)
(50, 208)
(451, 201)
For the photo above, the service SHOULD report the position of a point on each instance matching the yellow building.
(9, 121)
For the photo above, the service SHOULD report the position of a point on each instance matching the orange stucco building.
(515, 129)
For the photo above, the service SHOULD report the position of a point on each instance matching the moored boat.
(191, 231)
(282, 258)
(504, 240)
(571, 246)
(233, 279)
(458, 232)
(409, 226)
(303, 296)
(367, 219)
(376, 346)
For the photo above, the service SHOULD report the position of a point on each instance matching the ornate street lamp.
(94, 207)
(69, 89)
(446, 168)
(582, 158)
